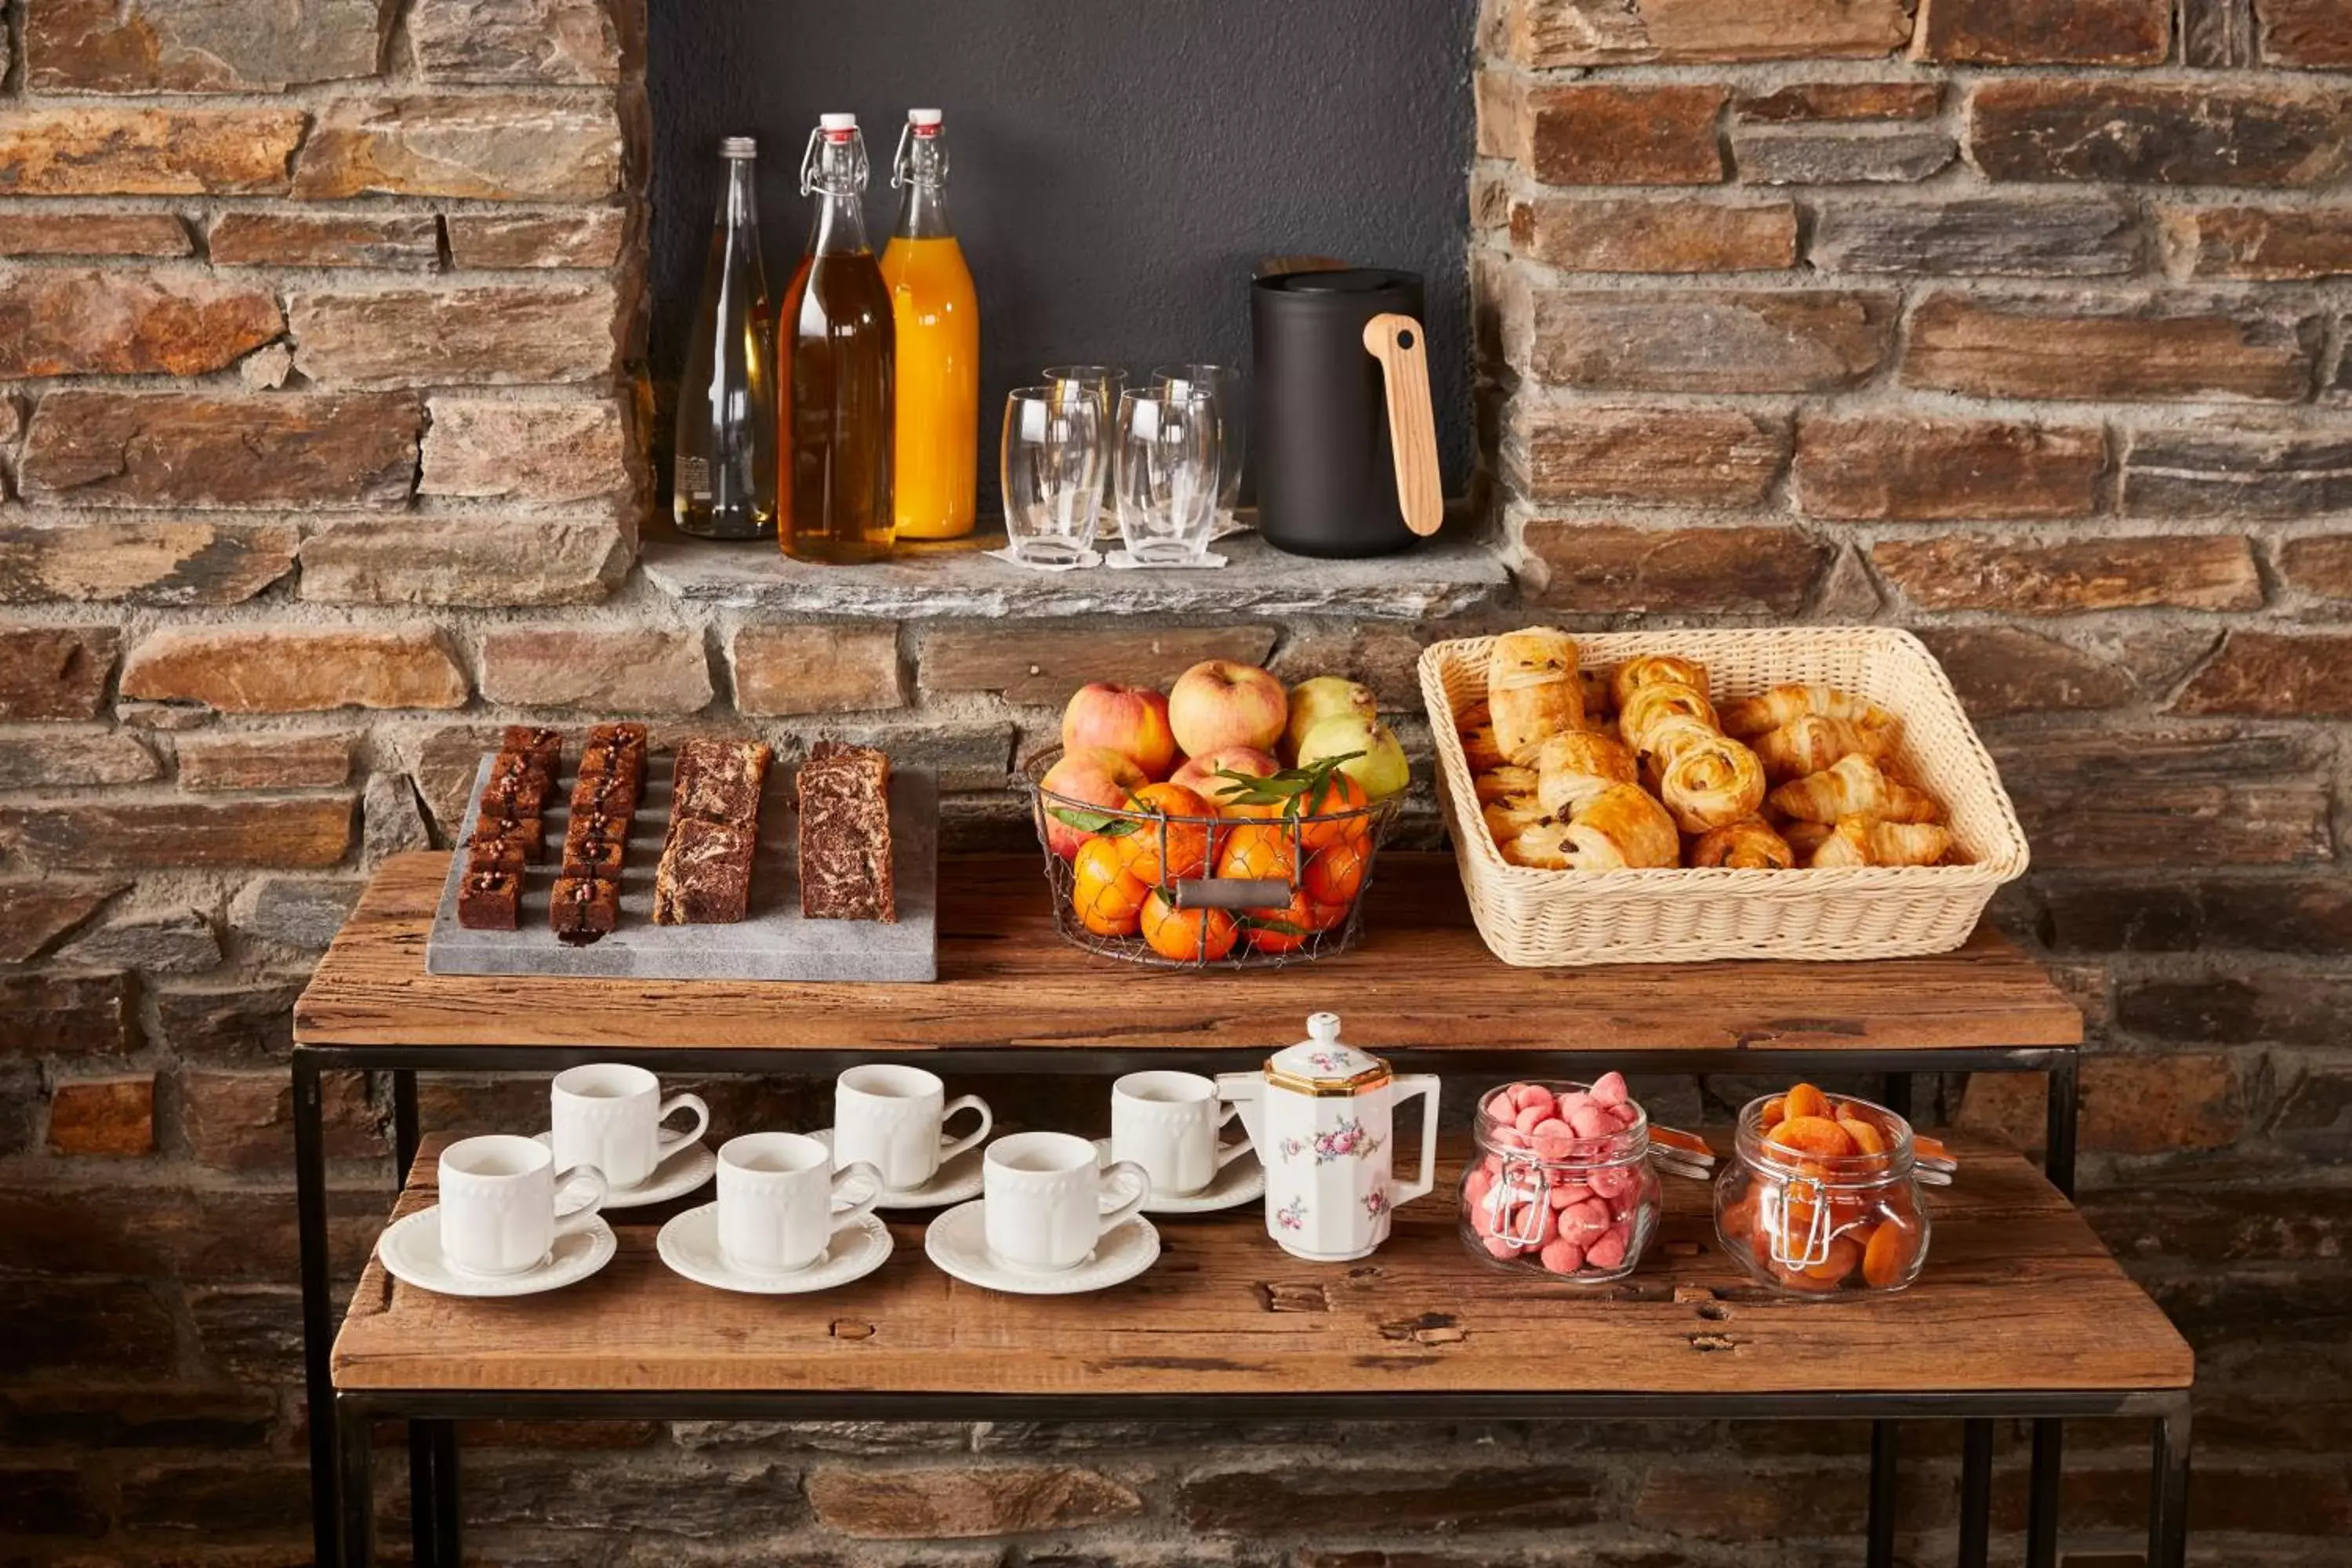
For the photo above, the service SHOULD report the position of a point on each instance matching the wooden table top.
(1422, 978)
(2018, 1295)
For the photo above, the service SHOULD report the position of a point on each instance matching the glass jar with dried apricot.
(1824, 1195)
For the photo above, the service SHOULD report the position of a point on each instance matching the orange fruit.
(1302, 915)
(1165, 851)
(1190, 936)
(1335, 873)
(1340, 793)
(1107, 901)
(1258, 852)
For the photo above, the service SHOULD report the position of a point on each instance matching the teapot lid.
(1320, 1064)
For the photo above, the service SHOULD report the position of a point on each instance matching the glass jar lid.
(1320, 1064)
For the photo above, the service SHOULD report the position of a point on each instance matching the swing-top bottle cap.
(924, 118)
(739, 147)
(836, 125)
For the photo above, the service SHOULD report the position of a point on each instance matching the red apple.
(1095, 774)
(1130, 719)
(1199, 773)
(1219, 703)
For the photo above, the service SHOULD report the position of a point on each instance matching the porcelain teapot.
(1322, 1118)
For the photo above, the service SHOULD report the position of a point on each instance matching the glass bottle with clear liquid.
(837, 350)
(936, 483)
(723, 477)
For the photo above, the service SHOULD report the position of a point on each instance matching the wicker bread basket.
(1535, 918)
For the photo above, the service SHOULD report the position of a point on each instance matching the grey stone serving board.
(773, 942)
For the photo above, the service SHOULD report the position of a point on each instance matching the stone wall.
(320, 455)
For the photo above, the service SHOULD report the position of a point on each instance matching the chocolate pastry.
(543, 747)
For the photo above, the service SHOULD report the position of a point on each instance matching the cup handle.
(572, 1221)
(1120, 1213)
(1425, 1085)
(1229, 1152)
(667, 1140)
(987, 1123)
(856, 1170)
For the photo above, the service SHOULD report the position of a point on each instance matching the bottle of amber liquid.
(724, 468)
(837, 351)
(936, 482)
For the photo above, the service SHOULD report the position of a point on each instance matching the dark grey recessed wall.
(1119, 168)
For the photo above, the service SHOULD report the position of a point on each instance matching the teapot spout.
(1243, 1090)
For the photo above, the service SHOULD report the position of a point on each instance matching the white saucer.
(411, 1251)
(956, 1241)
(690, 1245)
(954, 1182)
(688, 1167)
(1238, 1183)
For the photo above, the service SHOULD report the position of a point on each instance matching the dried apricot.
(1806, 1100)
(1811, 1135)
(1775, 1111)
(1888, 1255)
(1867, 1138)
(1845, 1254)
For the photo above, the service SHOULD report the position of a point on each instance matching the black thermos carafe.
(1342, 390)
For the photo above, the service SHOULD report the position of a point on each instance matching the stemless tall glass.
(1053, 459)
(1167, 457)
(1223, 383)
(1106, 383)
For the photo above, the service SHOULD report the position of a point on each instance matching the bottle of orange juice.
(938, 319)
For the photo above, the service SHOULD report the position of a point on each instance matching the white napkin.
(1120, 561)
(1083, 558)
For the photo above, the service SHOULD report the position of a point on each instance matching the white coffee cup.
(498, 1204)
(893, 1118)
(610, 1115)
(1167, 1123)
(778, 1194)
(1046, 1193)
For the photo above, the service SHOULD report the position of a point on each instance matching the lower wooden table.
(2022, 1315)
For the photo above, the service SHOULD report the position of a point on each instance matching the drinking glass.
(1223, 383)
(1053, 461)
(1105, 382)
(1168, 459)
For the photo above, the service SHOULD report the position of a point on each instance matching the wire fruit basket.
(1276, 877)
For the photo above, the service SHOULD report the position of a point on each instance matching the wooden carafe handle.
(1396, 342)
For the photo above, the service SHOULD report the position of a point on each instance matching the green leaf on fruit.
(1093, 821)
(1280, 928)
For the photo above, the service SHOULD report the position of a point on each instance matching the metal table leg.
(2167, 1512)
(357, 1522)
(2059, 1131)
(1976, 1492)
(1884, 1472)
(432, 1444)
(318, 1307)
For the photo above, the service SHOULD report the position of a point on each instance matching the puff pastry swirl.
(1711, 783)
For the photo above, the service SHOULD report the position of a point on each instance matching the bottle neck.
(923, 172)
(740, 208)
(840, 225)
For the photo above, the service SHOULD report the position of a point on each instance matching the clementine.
(1259, 851)
(1105, 898)
(1190, 936)
(1340, 793)
(1335, 873)
(1284, 929)
(1164, 850)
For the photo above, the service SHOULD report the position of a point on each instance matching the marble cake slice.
(719, 781)
(845, 835)
(705, 875)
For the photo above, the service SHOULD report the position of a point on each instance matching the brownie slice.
(719, 781)
(594, 844)
(845, 835)
(489, 900)
(497, 855)
(705, 876)
(610, 794)
(543, 747)
(526, 832)
(584, 909)
(514, 777)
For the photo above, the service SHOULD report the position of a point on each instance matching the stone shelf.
(1449, 575)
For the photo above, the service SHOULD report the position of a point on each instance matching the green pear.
(1380, 768)
(1325, 697)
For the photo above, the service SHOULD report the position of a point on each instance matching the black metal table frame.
(343, 1492)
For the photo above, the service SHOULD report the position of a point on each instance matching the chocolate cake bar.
(705, 876)
(594, 844)
(490, 900)
(845, 835)
(583, 909)
(611, 795)
(495, 855)
(719, 781)
(518, 779)
(543, 747)
(526, 833)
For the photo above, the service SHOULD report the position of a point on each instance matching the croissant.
(1598, 697)
(1571, 770)
(1622, 829)
(1803, 838)
(1478, 713)
(1711, 784)
(1747, 844)
(1653, 670)
(1494, 783)
(1853, 787)
(1532, 690)
(1513, 815)
(1478, 745)
(1861, 841)
(1653, 704)
(1786, 704)
(1811, 742)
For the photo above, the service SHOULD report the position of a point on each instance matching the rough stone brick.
(2131, 798)
(961, 1504)
(301, 912)
(968, 757)
(1604, 568)
(444, 764)
(2276, 675)
(1331, 1500)
(1784, 155)
(297, 669)
(2156, 352)
(492, 335)
(198, 45)
(1721, 340)
(464, 560)
(89, 1414)
(494, 147)
(1903, 468)
(75, 758)
(2002, 670)
(2266, 133)
(30, 232)
(67, 1015)
(2036, 577)
(2215, 470)
(2217, 33)
(2288, 1006)
(785, 671)
(274, 760)
(168, 942)
(2314, 33)
(2261, 244)
(2301, 914)
(537, 239)
(1630, 235)
(391, 822)
(537, 451)
(2027, 32)
(200, 451)
(638, 669)
(251, 1334)
(247, 1024)
(1665, 453)
(1843, 100)
(2319, 564)
(547, 42)
(2071, 237)
(244, 1121)
(116, 1329)
(150, 151)
(291, 832)
(1600, 134)
(61, 322)
(1631, 32)
(241, 1497)
(325, 239)
(34, 915)
(103, 1115)
(56, 672)
(1042, 665)
(1385, 659)
(169, 561)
